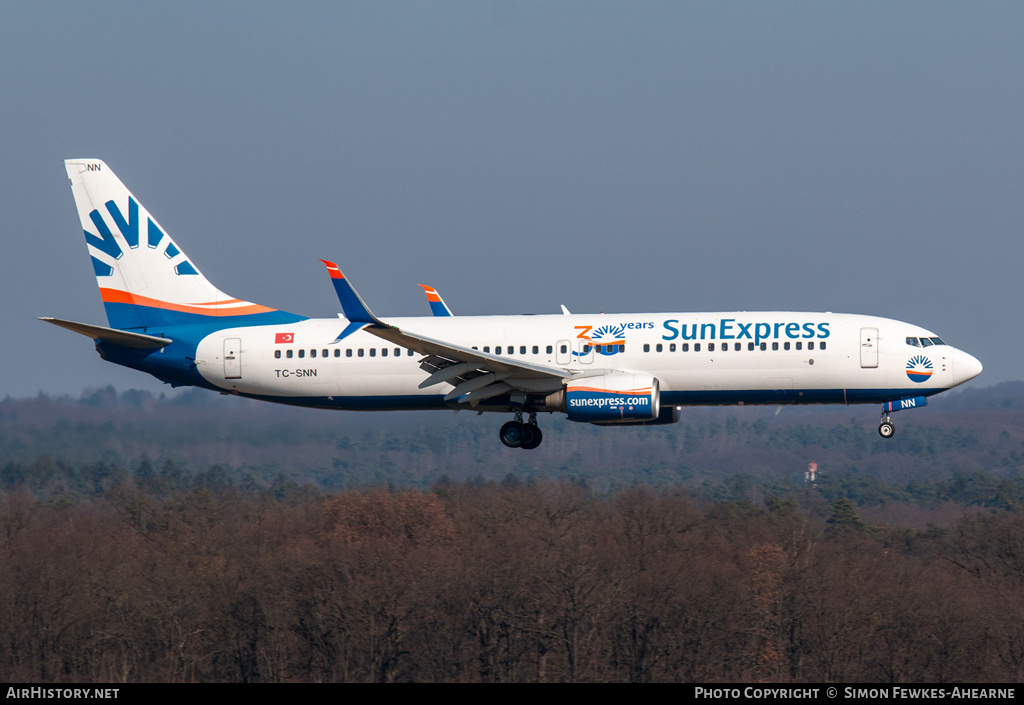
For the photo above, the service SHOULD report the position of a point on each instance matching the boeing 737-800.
(166, 319)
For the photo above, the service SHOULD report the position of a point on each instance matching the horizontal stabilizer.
(112, 335)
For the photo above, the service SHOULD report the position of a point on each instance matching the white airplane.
(616, 369)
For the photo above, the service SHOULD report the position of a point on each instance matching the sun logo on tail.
(106, 249)
(919, 369)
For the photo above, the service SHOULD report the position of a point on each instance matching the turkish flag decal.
(284, 338)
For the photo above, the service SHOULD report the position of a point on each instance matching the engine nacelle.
(668, 415)
(621, 397)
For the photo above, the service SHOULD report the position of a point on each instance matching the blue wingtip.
(352, 304)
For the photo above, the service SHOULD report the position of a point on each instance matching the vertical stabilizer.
(145, 279)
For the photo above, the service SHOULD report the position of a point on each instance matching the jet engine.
(620, 397)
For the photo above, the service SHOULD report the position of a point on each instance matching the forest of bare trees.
(198, 538)
(498, 582)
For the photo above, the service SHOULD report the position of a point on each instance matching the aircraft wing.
(476, 375)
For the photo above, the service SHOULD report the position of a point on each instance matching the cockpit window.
(924, 342)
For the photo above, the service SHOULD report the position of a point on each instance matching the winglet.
(352, 303)
(437, 304)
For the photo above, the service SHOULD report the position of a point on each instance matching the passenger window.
(799, 345)
(657, 347)
(398, 352)
(302, 353)
(785, 346)
(750, 346)
(536, 350)
(564, 349)
(383, 352)
(277, 354)
(810, 345)
(671, 347)
(550, 349)
(288, 354)
(326, 353)
(711, 347)
(373, 352)
(647, 347)
(685, 347)
(360, 353)
(487, 348)
(522, 349)
(348, 352)
(764, 346)
(696, 347)
(312, 353)
(737, 346)
(822, 346)
(775, 346)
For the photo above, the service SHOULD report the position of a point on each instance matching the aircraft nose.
(967, 367)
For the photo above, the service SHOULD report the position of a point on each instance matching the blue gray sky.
(685, 156)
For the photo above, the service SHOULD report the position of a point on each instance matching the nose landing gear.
(516, 434)
(885, 428)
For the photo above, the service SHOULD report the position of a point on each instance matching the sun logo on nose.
(919, 369)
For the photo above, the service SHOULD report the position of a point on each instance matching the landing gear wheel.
(886, 430)
(512, 434)
(532, 437)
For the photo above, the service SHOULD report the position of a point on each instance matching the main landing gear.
(516, 434)
(886, 429)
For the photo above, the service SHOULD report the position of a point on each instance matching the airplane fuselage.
(699, 358)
